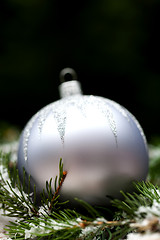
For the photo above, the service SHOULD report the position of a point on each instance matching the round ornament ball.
(102, 145)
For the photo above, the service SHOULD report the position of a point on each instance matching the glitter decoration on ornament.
(60, 118)
(42, 117)
(117, 106)
(139, 127)
(127, 115)
(26, 136)
(107, 112)
(81, 103)
(60, 115)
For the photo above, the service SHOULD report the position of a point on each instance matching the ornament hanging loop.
(69, 84)
(67, 74)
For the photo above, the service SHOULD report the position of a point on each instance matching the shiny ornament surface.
(101, 143)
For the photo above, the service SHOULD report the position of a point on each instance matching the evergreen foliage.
(134, 217)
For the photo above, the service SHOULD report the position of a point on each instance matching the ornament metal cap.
(69, 86)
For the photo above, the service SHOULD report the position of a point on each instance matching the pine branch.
(62, 176)
(62, 225)
(140, 210)
(137, 213)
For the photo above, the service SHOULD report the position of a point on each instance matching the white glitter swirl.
(42, 116)
(140, 128)
(81, 103)
(26, 135)
(118, 107)
(106, 111)
(59, 110)
(128, 115)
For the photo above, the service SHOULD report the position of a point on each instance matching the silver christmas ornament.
(102, 145)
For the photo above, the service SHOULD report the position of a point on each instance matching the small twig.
(58, 188)
(35, 212)
(106, 224)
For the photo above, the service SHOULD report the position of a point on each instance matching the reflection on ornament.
(102, 145)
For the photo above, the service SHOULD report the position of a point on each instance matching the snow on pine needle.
(141, 210)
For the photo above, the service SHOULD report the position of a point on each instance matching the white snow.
(92, 228)
(154, 210)
(146, 236)
(144, 217)
(4, 220)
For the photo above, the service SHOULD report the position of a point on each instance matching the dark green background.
(112, 44)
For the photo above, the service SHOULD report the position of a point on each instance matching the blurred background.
(113, 46)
